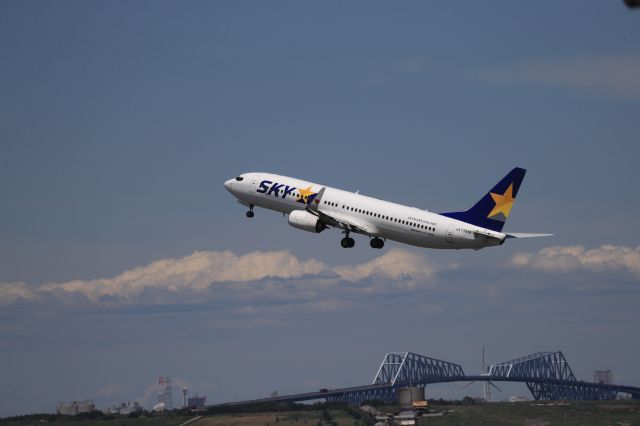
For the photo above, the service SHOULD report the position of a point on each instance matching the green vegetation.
(340, 417)
(538, 413)
(96, 418)
(333, 414)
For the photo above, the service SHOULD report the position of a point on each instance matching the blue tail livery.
(493, 209)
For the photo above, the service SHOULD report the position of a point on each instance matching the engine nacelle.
(304, 220)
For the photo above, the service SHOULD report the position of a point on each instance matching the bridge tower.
(487, 385)
(549, 377)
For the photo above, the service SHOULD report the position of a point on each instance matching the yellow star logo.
(304, 193)
(503, 202)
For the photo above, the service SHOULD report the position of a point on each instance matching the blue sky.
(121, 120)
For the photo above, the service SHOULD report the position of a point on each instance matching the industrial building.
(75, 407)
(164, 394)
(196, 402)
(126, 408)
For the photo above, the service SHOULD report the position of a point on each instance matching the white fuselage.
(381, 219)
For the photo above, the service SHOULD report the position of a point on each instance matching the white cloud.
(395, 264)
(606, 258)
(202, 272)
(15, 292)
(614, 75)
(195, 272)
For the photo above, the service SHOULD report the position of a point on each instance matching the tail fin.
(493, 209)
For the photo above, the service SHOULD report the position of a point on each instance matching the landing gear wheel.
(250, 212)
(347, 242)
(376, 243)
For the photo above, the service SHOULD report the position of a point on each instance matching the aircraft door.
(448, 237)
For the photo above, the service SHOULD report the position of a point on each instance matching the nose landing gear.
(250, 212)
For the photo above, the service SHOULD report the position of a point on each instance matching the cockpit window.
(239, 178)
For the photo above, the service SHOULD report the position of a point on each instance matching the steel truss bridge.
(547, 375)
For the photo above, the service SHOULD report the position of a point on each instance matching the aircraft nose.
(229, 184)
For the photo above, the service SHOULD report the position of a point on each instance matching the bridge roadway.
(298, 397)
(308, 396)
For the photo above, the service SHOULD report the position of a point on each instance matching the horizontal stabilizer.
(526, 235)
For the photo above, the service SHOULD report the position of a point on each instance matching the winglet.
(314, 200)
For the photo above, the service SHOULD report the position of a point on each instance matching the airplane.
(314, 208)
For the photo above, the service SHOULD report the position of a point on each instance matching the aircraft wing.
(348, 223)
(339, 220)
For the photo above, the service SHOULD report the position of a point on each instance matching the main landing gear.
(250, 212)
(376, 243)
(347, 241)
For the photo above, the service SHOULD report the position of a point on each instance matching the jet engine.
(306, 221)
